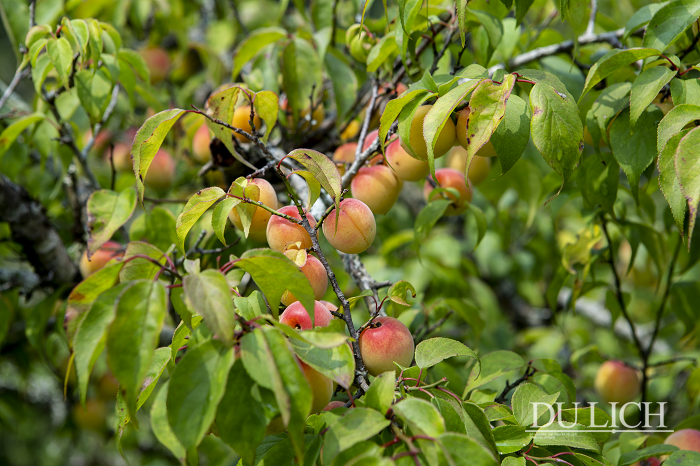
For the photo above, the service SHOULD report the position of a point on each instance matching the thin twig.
(529, 372)
(19, 76)
(590, 28)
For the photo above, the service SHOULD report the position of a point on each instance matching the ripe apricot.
(356, 227)
(617, 382)
(685, 439)
(377, 187)
(241, 120)
(487, 150)
(478, 169)
(161, 172)
(321, 388)
(106, 252)
(385, 341)
(158, 62)
(121, 156)
(261, 217)
(405, 167)
(296, 316)
(200, 144)
(450, 178)
(314, 271)
(281, 232)
(345, 153)
(445, 139)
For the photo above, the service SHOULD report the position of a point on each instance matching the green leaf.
(198, 384)
(157, 227)
(487, 108)
(89, 339)
(9, 135)
(670, 22)
(274, 273)
(181, 334)
(513, 461)
(609, 103)
(645, 453)
(209, 295)
(464, 451)
(137, 62)
(524, 398)
(646, 87)
(344, 81)
(492, 25)
(253, 43)
(683, 458)
(147, 142)
(641, 17)
(493, 365)
(133, 336)
(356, 425)
(219, 216)
(195, 207)
(380, 395)
(323, 169)
(477, 425)
(613, 61)
(688, 173)
(434, 350)
(140, 268)
(338, 363)
(251, 306)
(575, 436)
(61, 56)
(221, 106)
(510, 439)
(37, 319)
(406, 118)
(598, 180)
(397, 292)
(422, 417)
(7, 311)
(521, 9)
(313, 185)
(556, 128)
(301, 70)
(268, 358)
(160, 426)
(685, 91)
(385, 50)
(669, 182)
(675, 121)
(634, 147)
(427, 218)
(513, 133)
(393, 109)
(240, 417)
(107, 211)
(266, 104)
(461, 10)
(437, 116)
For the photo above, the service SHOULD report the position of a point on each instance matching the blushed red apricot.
(450, 178)
(330, 306)
(121, 156)
(345, 153)
(200, 144)
(445, 139)
(385, 341)
(161, 172)
(158, 62)
(261, 217)
(106, 252)
(281, 232)
(617, 382)
(405, 167)
(296, 316)
(356, 227)
(316, 274)
(377, 187)
(241, 120)
(685, 439)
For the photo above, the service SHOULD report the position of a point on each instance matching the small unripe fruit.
(450, 178)
(377, 187)
(316, 274)
(158, 62)
(261, 217)
(345, 153)
(321, 388)
(106, 252)
(200, 144)
(445, 139)
(616, 382)
(356, 227)
(281, 232)
(385, 341)
(241, 120)
(405, 167)
(121, 157)
(478, 169)
(685, 439)
(296, 316)
(334, 404)
(161, 172)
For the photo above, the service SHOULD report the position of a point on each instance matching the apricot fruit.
(296, 316)
(685, 439)
(158, 62)
(356, 227)
(450, 178)
(314, 271)
(345, 153)
(106, 252)
(261, 217)
(616, 382)
(386, 341)
(405, 167)
(161, 172)
(121, 156)
(321, 388)
(281, 232)
(241, 120)
(377, 187)
(478, 169)
(487, 150)
(445, 139)
(200, 144)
